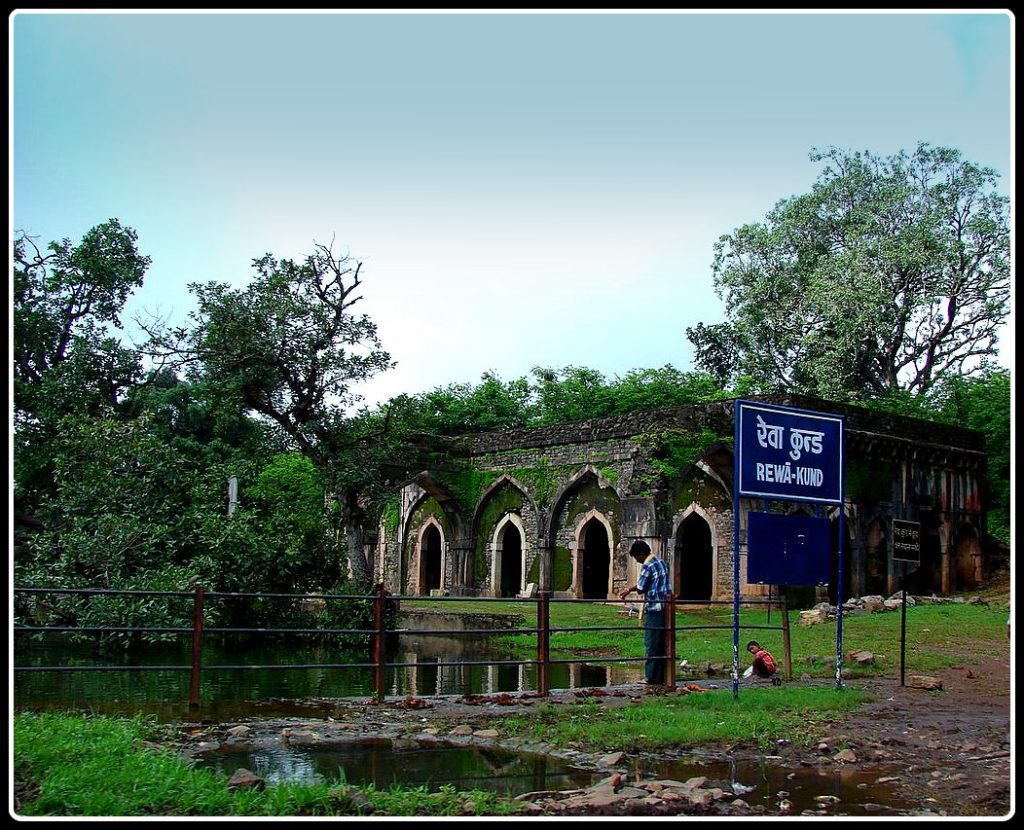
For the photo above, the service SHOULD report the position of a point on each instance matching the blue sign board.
(788, 550)
(789, 454)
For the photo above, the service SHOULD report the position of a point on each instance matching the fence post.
(670, 641)
(197, 648)
(787, 651)
(543, 642)
(378, 645)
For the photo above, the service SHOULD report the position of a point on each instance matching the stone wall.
(569, 500)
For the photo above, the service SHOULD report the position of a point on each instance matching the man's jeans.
(654, 646)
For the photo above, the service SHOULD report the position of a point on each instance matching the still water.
(230, 692)
(835, 791)
(377, 763)
(830, 791)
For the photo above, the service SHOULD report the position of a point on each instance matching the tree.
(982, 403)
(290, 348)
(891, 273)
(67, 359)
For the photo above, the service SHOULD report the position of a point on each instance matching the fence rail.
(380, 599)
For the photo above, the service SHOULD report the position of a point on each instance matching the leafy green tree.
(290, 348)
(644, 389)
(116, 510)
(891, 273)
(982, 403)
(67, 358)
(464, 408)
(573, 394)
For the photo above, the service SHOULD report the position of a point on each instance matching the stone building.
(558, 507)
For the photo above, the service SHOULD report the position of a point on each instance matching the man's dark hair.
(753, 643)
(639, 548)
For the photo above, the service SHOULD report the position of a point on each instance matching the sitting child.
(763, 665)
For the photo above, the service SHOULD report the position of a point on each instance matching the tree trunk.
(358, 568)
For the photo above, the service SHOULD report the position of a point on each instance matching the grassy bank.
(70, 765)
(761, 716)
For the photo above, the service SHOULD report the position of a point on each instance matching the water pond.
(230, 693)
(378, 763)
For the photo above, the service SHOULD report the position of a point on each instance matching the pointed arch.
(694, 556)
(431, 555)
(491, 491)
(593, 556)
(508, 561)
(505, 497)
(575, 481)
(967, 559)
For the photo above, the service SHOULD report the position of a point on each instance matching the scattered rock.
(923, 681)
(243, 779)
(846, 756)
(299, 737)
(612, 760)
(861, 658)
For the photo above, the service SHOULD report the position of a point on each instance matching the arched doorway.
(595, 561)
(694, 577)
(430, 559)
(511, 555)
(876, 559)
(967, 559)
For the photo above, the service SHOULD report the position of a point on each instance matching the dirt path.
(954, 745)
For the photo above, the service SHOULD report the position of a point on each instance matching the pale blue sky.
(522, 189)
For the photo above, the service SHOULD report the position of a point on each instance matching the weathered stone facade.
(559, 507)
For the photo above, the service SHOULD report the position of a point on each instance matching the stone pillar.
(544, 568)
(461, 556)
(576, 585)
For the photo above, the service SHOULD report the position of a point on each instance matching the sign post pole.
(903, 624)
(736, 558)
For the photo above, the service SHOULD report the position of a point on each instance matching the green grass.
(933, 631)
(761, 716)
(98, 766)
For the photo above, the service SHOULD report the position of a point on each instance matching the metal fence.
(377, 634)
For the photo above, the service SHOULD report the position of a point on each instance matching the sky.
(523, 189)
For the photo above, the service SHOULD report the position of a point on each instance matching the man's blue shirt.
(653, 582)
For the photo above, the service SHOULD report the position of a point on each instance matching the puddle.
(378, 763)
(842, 791)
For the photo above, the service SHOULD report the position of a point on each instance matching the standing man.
(653, 584)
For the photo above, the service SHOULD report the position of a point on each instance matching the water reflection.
(833, 791)
(165, 692)
(377, 763)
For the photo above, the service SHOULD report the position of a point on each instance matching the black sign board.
(906, 541)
